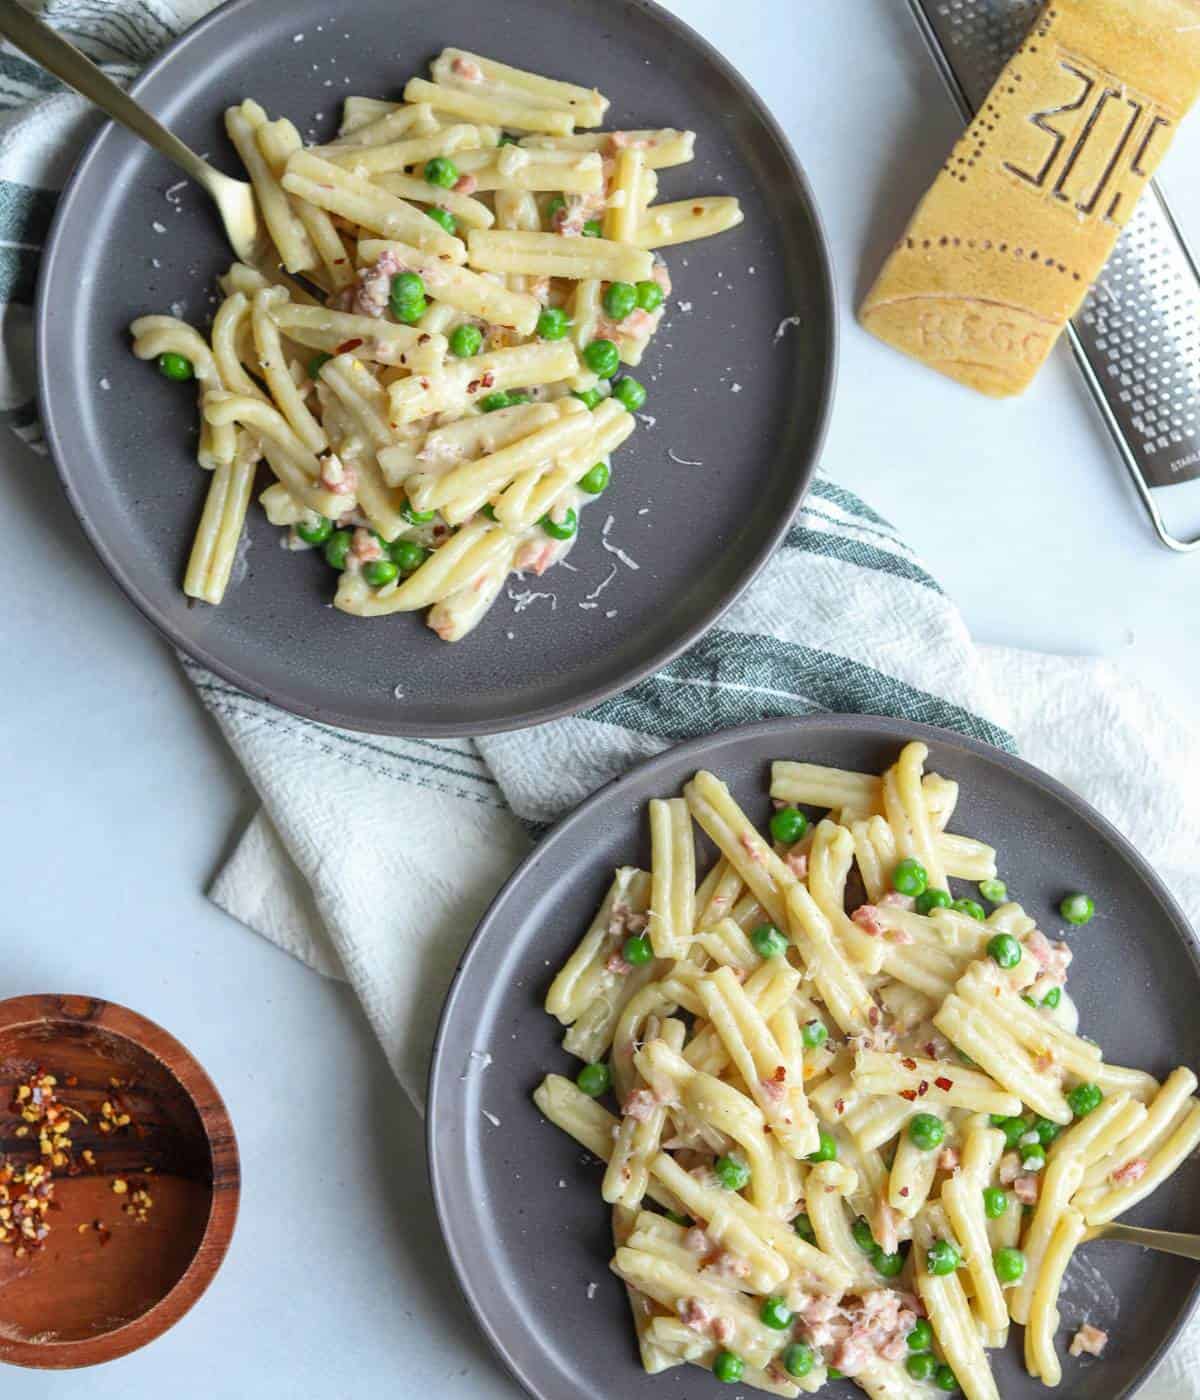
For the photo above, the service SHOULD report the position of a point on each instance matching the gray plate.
(699, 533)
(519, 1204)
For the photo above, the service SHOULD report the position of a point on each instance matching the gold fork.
(1165, 1241)
(234, 198)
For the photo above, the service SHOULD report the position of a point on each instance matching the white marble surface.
(121, 799)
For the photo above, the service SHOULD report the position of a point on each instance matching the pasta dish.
(858, 1133)
(431, 358)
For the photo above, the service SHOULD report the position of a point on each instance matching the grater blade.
(1137, 336)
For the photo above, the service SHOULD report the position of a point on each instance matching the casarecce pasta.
(437, 416)
(858, 1130)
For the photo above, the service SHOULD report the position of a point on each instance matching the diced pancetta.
(1088, 1339)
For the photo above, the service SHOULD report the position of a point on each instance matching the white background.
(120, 799)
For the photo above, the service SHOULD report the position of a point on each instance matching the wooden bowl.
(111, 1276)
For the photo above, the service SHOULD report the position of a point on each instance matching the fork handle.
(1165, 1241)
(49, 49)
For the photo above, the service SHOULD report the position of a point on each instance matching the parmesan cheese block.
(1018, 223)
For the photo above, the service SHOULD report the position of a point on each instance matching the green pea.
(798, 1360)
(921, 1336)
(595, 480)
(554, 208)
(318, 361)
(1085, 1098)
(595, 1079)
(553, 323)
(804, 1228)
(466, 341)
(1009, 1265)
(380, 571)
(445, 218)
(516, 398)
(789, 825)
(814, 1034)
(603, 358)
(406, 298)
(833, 1373)
(337, 548)
(407, 555)
(828, 1150)
(944, 1378)
(971, 907)
(442, 172)
(637, 951)
(1078, 908)
(314, 531)
(417, 517)
(1046, 1130)
(732, 1172)
(1014, 1130)
(494, 401)
(889, 1265)
(173, 366)
(927, 1131)
(1052, 997)
(1033, 1156)
(768, 941)
(1004, 950)
(910, 877)
(588, 397)
(649, 296)
(630, 392)
(942, 1258)
(995, 1202)
(776, 1314)
(561, 529)
(929, 900)
(593, 229)
(620, 300)
(994, 891)
(921, 1366)
(863, 1236)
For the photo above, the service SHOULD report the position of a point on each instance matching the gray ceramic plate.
(519, 1203)
(723, 391)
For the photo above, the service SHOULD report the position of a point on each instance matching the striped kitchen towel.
(383, 885)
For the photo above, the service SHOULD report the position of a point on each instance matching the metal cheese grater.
(1137, 336)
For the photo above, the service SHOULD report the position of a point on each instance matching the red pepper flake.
(488, 380)
(908, 1094)
(424, 383)
(697, 209)
(473, 387)
(423, 338)
(904, 1190)
(347, 345)
(873, 1015)
(340, 260)
(944, 1084)
(930, 1049)
(908, 1063)
(840, 1106)
(780, 1074)
(923, 1087)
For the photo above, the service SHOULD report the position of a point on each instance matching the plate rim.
(883, 726)
(141, 596)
